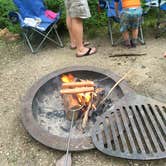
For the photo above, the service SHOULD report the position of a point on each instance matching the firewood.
(85, 118)
(78, 84)
(71, 103)
(77, 90)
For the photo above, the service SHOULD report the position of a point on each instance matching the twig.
(127, 54)
(116, 84)
(85, 118)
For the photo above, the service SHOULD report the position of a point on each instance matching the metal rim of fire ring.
(43, 136)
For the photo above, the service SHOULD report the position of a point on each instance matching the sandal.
(88, 53)
(85, 43)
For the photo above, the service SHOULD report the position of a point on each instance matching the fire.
(78, 92)
(67, 78)
(83, 98)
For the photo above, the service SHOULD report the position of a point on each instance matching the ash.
(49, 112)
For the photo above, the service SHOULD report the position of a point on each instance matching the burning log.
(71, 103)
(80, 98)
(77, 90)
(78, 84)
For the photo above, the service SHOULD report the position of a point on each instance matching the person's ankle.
(81, 49)
(134, 42)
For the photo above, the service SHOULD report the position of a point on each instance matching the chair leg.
(141, 37)
(44, 39)
(58, 37)
(113, 42)
(27, 35)
(110, 31)
(26, 38)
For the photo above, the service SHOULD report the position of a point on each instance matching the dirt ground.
(19, 69)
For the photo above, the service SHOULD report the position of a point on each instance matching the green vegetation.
(96, 23)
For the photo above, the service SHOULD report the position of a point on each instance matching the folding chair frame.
(159, 22)
(118, 41)
(28, 33)
(110, 29)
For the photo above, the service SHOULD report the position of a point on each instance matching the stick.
(77, 90)
(116, 84)
(69, 137)
(85, 118)
(128, 54)
(78, 84)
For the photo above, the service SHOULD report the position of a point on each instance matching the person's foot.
(73, 46)
(86, 52)
(165, 54)
(133, 45)
(127, 44)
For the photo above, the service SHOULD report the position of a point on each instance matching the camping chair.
(160, 5)
(108, 5)
(34, 19)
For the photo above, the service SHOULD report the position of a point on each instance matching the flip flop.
(86, 43)
(88, 53)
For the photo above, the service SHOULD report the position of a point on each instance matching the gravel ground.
(19, 69)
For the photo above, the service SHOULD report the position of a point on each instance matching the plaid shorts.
(130, 19)
(77, 8)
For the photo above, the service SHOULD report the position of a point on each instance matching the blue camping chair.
(108, 5)
(33, 20)
(160, 6)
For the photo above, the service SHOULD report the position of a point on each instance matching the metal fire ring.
(135, 128)
(30, 107)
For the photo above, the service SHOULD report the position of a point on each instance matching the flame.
(67, 78)
(87, 97)
(83, 98)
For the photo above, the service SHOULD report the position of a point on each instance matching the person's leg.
(69, 27)
(126, 36)
(134, 37)
(124, 26)
(77, 31)
(136, 22)
(126, 39)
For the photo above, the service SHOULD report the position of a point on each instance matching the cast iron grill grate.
(133, 131)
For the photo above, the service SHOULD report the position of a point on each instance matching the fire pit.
(43, 110)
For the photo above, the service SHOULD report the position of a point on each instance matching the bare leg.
(126, 36)
(69, 27)
(77, 31)
(126, 39)
(134, 33)
(134, 37)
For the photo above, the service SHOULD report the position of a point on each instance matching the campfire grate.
(135, 129)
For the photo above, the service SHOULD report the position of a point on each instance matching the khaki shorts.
(77, 8)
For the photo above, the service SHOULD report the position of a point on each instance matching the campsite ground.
(19, 69)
